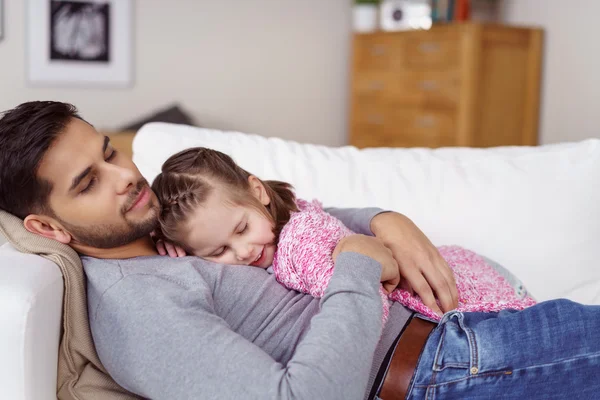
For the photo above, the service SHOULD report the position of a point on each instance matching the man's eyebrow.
(77, 180)
(105, 145)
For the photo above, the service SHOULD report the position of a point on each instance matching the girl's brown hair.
(190, 176)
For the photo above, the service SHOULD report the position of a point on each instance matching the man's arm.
(422, 268)
(356, 219)
(167, 343)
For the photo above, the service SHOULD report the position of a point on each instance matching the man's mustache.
(142, 183)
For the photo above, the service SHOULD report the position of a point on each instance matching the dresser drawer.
(432, 50)
(371, 86)
(403, 127)
(423, 89)
(376, 52)
(428, 88)
(426, 124)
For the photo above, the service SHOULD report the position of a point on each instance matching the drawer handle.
(377, 50)
(429, 86)
(426, 121)
(429, 47)
(375, 119)
(375, 85)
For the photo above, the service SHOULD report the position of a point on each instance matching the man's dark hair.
(26, 133)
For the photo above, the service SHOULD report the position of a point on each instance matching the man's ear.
(47, 227)
(258, 190)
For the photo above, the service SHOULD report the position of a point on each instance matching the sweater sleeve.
(303, 260)
(168, 343)
(356, 219)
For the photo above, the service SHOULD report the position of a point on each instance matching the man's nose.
(124, 178)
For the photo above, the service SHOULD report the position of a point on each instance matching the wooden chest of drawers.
(465, 84)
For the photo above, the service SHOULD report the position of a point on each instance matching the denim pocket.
(457, 347)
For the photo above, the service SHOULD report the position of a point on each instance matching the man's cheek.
(108, 204)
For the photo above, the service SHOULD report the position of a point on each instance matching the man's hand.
(422, 268)
(375, 249)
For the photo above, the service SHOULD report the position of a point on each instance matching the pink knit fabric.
(303, 262)
(303, 259)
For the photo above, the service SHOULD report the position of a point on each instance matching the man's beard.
(110, 236)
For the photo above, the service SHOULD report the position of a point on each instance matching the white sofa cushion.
(31, 289)
(533, 209)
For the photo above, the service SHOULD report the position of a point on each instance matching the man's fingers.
(445, 286)
(422, 288)
(437, 282)
(405, 284)
(391, 285)
(450, 281)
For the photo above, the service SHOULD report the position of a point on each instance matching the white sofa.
(534, 210)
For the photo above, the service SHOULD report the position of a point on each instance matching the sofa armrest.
(31, 290)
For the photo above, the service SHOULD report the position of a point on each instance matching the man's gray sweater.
(185, 328)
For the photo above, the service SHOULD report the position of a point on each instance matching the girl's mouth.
(259, 259)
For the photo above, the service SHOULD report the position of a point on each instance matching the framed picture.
(80, 42)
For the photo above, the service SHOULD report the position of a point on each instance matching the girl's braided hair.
(190, 176)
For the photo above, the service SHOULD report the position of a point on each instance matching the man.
(169, 328)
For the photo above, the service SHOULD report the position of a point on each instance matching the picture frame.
(83, 43)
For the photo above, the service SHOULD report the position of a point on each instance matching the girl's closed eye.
(244, 229)
(219, 252)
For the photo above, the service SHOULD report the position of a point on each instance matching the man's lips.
(141, 200)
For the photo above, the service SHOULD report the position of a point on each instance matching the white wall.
(273, 67)
(280, 68)
(571, 85)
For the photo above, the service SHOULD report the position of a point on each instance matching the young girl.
(216, 210)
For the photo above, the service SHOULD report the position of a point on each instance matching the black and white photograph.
(80, 31)
(82, 43)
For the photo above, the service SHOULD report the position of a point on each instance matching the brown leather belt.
(404, 360)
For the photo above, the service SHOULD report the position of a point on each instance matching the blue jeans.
(548, 351)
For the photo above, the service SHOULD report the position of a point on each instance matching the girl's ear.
(258, 190)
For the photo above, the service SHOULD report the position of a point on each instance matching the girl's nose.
(243, 253)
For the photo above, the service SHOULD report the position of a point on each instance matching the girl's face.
(232, 234)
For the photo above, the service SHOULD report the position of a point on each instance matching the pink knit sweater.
(303, 262)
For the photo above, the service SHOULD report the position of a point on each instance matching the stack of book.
(450, 10)
(463, 10)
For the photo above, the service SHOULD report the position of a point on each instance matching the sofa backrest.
(533, 209)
